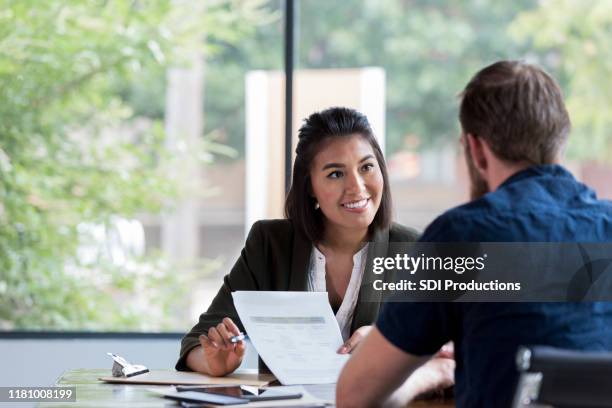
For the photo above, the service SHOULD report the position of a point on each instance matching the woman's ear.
(476, 151)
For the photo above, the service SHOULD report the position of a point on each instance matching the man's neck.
(502, 171)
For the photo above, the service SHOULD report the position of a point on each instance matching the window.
(122, 158)
(425, 52)
(140, 140)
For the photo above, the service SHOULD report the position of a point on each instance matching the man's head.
(512, 116)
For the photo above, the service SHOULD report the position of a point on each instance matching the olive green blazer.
(276, 257)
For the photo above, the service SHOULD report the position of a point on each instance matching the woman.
(339, 200)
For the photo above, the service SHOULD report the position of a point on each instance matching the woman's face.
(347, 182)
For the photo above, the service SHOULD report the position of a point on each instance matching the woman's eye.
(367, 167)
(335, 174)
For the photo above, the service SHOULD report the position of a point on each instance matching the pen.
(238, 338)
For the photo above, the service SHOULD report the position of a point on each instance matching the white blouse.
(316, 283)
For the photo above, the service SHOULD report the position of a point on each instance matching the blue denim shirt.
(539, 204)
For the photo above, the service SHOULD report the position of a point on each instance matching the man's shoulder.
(450, 226)
(497, 218)
(484, 219)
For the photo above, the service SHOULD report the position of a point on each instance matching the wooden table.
(92, 393)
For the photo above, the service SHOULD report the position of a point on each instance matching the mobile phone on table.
(197, 396)
(252, 393)
(186, 404)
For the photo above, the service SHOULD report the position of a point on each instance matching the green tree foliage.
(429, 49)
(224, 101)
(75, 157)
(572, 39)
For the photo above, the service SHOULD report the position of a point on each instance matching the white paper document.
(295, 333)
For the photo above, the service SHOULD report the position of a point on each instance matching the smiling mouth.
(356, 204)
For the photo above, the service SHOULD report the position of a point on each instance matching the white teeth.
(357, 204)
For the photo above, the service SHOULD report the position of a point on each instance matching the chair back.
(563, 378)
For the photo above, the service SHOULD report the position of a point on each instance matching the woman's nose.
(355, 183)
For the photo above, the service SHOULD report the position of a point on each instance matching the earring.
(316, 206)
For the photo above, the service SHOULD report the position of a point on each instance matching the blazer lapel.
(368, 301)
(302, 248)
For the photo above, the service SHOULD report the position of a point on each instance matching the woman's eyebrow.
(335, 165)
(332, 165)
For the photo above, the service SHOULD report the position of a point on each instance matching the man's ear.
(476, 151)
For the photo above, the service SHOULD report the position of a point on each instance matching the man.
(514, 128)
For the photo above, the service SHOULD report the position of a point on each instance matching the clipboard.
(172, 377)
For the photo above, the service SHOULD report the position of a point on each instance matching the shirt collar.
(356, 256)
(555, 170)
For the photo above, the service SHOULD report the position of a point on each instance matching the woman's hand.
(217, 355)
(354, 340)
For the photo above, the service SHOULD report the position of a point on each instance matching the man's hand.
(436, 374)
(376, 369)
(354, 340)
(218, 356)
(447, 351)
(379, 374)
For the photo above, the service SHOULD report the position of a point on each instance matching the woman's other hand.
(354, 340)
(218, 356)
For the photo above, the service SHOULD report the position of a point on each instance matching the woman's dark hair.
(318, 128)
